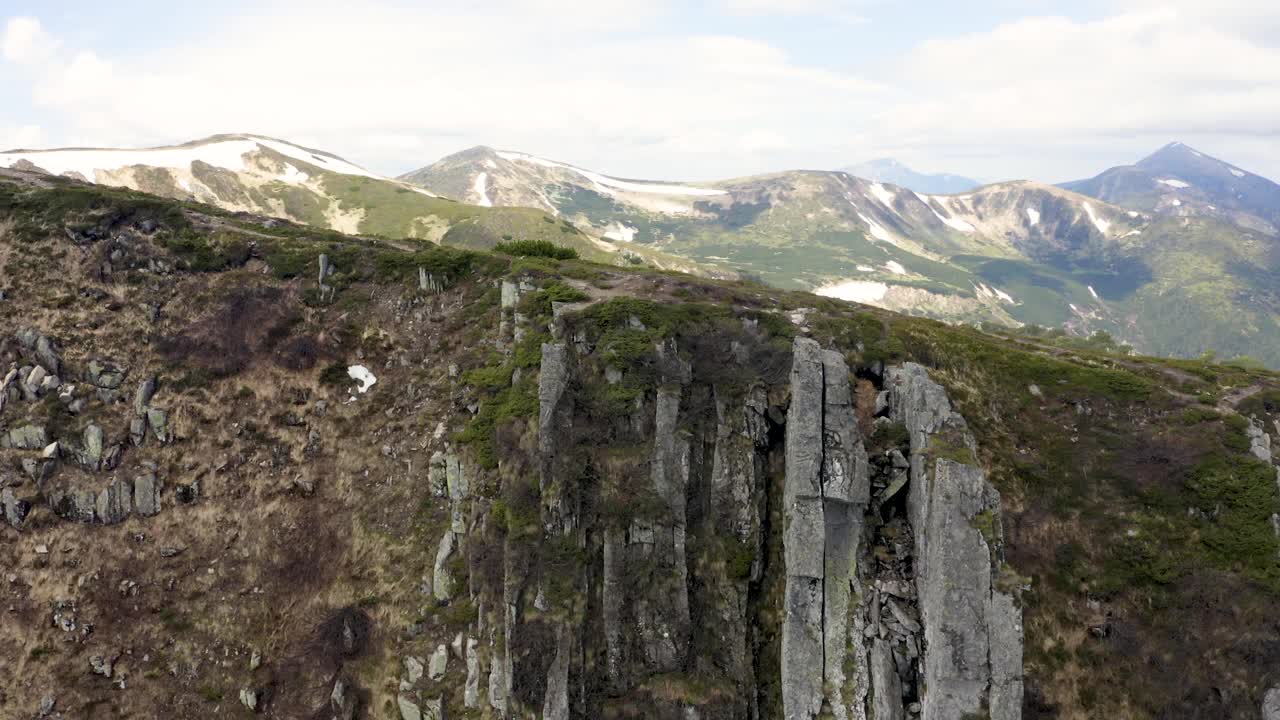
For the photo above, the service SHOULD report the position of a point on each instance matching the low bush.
(536, 248)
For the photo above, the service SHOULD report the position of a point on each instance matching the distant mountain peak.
(1180, 180)
(891, 170)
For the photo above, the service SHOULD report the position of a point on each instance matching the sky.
(663, 89)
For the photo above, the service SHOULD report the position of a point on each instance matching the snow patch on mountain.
(1174, 183)
(1033, 215)
(864, 268)
(953, 223)
(324, 162)
(877, 232)
(882, 195)
(993, 293)
(1098, 222)
(1237, 173)
(1093, 292)
(293, 175)
(861, 291)
(481, 188)
(625, 233)
(608, 184)
(895, 267)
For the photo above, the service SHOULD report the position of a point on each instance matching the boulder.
(27, 437)
(408, 709)
(12, 509)
(115, 502)
(439, 663)
(158, 421)
(142, 398)
(442, 585)
(413, 668)
(250, 698)
(146, 494)
(104, 375)
(1271, 704)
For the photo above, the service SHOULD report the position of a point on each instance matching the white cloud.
(78, 82)
(603, 84)
(1140, 71)
(20, 136)
(409, 85)
(843, 10)
(24, 41)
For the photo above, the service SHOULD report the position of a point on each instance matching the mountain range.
(1175, 255)
(258, 174)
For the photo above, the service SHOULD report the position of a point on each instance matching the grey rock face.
(38, 348)
(471, 691)
(438, 664)
(664, 614)
(158, 421)
(1259, 441)
(105, 375)
(442, 585)
(142, 398)
(413, 669)
(436, 478)
(115, 502)
(972, 658)
(408, 709)
(887, 687)
(1271, 704)
(146, 493)
(13, 509)
(27, 437)
(825, 495)
(552, 381)
(93, 439)
(555, 705)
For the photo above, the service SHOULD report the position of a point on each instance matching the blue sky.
(656, 88)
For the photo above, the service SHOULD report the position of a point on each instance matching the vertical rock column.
(846, 491)
(825, 494)
(972, 656)
(803, 539)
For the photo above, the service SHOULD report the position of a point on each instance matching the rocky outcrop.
(651, 547)
(972, 631)
(824, 499)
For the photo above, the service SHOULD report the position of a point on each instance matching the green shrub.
(539, 303)
(1237, 437)
(1197, 415)
(203, 253)
(335, 375)
(536, 248)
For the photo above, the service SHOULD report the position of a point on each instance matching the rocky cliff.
(246, 469)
